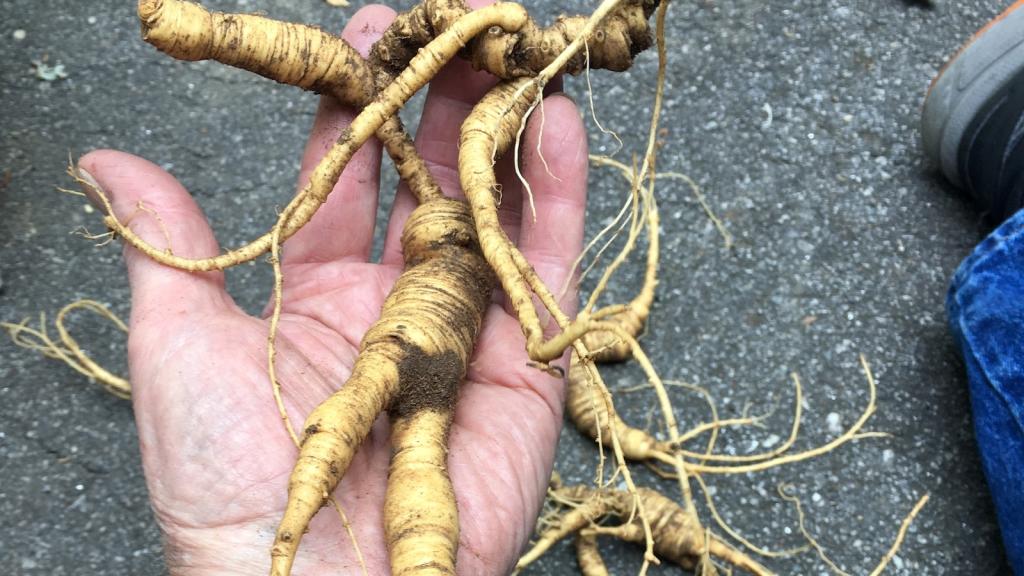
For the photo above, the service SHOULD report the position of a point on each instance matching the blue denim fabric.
(986, 314)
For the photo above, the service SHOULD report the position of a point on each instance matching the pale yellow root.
(487, 133)
(289, 53)
(709, 427)
(588, 555)
(423, 339)
(293, 213)
(784, 492)
(641, 445)
(613, 230)
(593, 378)
(678, 534)
(615, 33)
(275, 318)
(645, 173)
(590, 417)
(852, 433)
(900, 535)
(421, 520)
(704, 204)
(736, 535)
(794, 432)
(617, 340)
(667, 413)
(68, 351)
(589, 509)
(593, 419)
(490, 130)
(294, 54)
(420, 70)
(606, 347)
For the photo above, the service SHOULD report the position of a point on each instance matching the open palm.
(215, 452)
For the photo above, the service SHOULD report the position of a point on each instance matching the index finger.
(343, 227)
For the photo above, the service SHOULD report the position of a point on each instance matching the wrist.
(209, 551)
(243, 551)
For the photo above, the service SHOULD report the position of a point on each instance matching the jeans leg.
(985, 306)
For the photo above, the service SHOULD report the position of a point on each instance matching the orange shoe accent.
(978, 34)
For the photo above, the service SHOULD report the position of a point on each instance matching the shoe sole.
(989, 59)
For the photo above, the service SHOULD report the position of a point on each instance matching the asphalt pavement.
(799, 119)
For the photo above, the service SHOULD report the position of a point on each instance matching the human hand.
(215, 452)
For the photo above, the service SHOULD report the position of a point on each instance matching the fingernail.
(91, 188)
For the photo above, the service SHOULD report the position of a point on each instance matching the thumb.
(155, 206)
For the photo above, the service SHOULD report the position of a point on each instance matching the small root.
(68, 350)
(710, 502)
(782, 448)
(100, 240)
(705, 205)
(614, 229)
(678, 535)
(900, 535)
(593, 110)
(785, 492)
(852, 433)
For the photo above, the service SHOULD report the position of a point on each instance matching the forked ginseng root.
(678, 535)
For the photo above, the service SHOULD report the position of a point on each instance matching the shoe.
(973, 118)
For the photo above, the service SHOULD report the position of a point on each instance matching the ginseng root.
(283, 51)
(679, 536)
(307, 57)
(583, 409)
(68, 350)
(411, 362)
(414, 357)
(417, 73)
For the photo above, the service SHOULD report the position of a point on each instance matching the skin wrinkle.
(167, 515)
(305, 370)
(510, 220)
(334, 308)
(446, 176)
(352, 337)
(180, 562)
(529, 386)
(275, 428)
(344, 362)
(548, 253)
(531, 440)
(312, 275)
(242, 494)
(494, 502)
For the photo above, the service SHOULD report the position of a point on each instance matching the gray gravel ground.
(798, 118)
